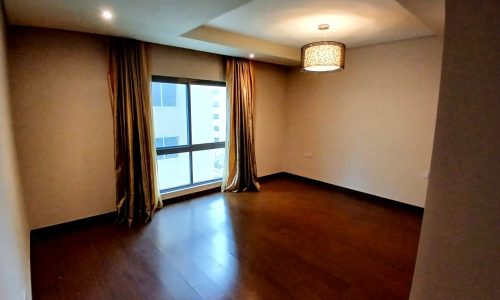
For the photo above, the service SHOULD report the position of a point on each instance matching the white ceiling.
(272, 29)
(295, 22)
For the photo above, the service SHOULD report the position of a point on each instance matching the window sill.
(190, 190)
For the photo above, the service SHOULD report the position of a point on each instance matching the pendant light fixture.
(325, 56)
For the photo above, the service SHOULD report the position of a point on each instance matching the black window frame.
(189, 148)
(175, 155)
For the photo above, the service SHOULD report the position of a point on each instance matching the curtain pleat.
(240, 171)
(137, 193)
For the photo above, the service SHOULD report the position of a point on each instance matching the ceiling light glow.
(106, 14)
(252, 55)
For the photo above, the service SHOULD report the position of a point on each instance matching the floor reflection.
(292, 240)
(198, 241)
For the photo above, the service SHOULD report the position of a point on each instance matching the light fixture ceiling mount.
(324, 56)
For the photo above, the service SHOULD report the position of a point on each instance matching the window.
(168, 94)
(166, 142)
(189, 152)
(156, 94)
(164, 94)
(159, 144)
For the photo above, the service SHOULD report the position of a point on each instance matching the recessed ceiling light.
(106, 14)
(252, 55)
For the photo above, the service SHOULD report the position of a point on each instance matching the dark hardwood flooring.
(293, 240)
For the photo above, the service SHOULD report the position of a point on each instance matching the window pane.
(171, 121)
(169, 94)
(171, 142)
(173, 172)
(158, 142)
(208, 164)
(208, 113)
(156, 94)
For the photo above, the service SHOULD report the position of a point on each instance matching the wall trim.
(371, 197)
(43, 232)
(270, 177)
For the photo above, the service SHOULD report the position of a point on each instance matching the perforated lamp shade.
(327, 56)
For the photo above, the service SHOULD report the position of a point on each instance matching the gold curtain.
(240, 171)
(137, 193)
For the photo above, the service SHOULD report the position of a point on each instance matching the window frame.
(189, 148)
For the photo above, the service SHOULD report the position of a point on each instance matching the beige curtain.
(137, 193)
(240, 172)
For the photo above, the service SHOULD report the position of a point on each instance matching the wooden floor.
(293, 240)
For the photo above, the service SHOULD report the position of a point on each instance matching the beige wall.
(14, 234)
(62, 123)
(270, 92)
(178, 62)
(459, 249)
(370, 127)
